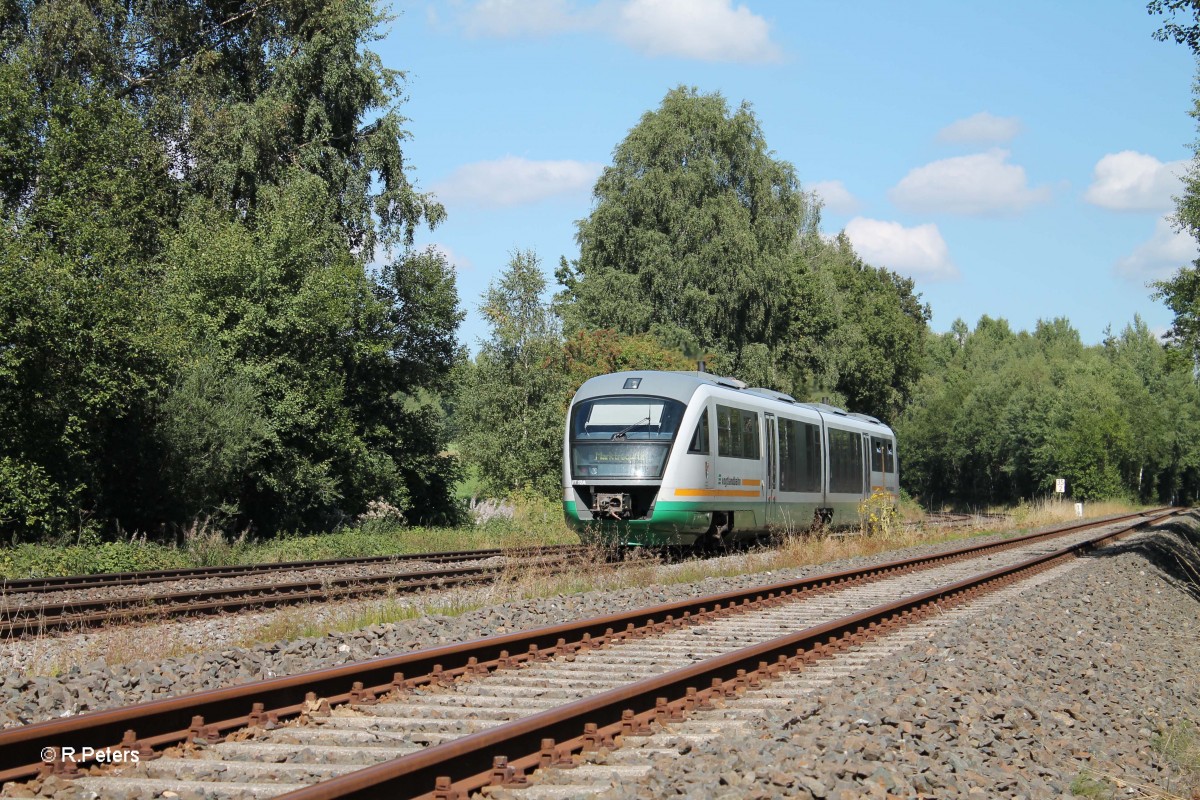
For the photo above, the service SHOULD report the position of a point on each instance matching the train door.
(772, 477)
(883, 465)
(879, 448)
(867, 466)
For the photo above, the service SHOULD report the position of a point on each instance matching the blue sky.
(1016, 159)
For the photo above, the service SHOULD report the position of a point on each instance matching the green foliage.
(212, 423)
(1181, 292)
(1180, 33)
(323, 407)
(187, 322)
(510, 408)
(588, 353)
(692, 224)
(856, 329)
(999, 415)
(89, 556)
(513, 397)
(701, 238)
(81, 357)
(28, 498)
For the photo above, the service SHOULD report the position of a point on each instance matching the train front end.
(618, 450)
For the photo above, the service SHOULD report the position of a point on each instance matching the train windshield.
(623, 437)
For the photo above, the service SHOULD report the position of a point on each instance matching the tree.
(317, 370)
(84, 196)
(1181, 33)
(871, 334)
(138, 141)
(510, 410)
(1181, 292)
(999, 415)
(703, 239)
(691, 229)
(588, 353)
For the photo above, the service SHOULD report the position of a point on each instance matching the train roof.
(682, 385)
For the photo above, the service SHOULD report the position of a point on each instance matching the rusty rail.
(110, 579)
(35, 618)
(214, 712)
(501, 755)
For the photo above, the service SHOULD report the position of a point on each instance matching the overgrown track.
(106, 579)
(381, 708)
(951, 519)
(20, 616)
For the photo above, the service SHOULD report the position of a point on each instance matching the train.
(693, 459)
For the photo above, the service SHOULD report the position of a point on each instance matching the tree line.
(209, 302)
(211, 305)
(1000, 415)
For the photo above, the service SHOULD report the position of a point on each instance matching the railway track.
(445, 721)
(36, 605)
(33, 606)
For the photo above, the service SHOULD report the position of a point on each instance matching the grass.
(591, 572)
(204, 545)
(1178, 747)
(535, 521)
(1039, 513)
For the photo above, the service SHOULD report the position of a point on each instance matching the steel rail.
(85, 613)
(500, 755)
(110, 579)
(213, 712)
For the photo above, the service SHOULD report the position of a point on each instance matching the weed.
(877, 514)
(1085, 785)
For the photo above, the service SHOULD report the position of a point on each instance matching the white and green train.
(690, 458)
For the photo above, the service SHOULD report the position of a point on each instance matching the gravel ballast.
(1022, 700)
(1068, 688)
(94, 684)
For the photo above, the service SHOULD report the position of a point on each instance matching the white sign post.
(1060, 485)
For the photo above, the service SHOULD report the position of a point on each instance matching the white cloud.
(514, 181)
(706, 30)
(505, 18)
(835, 197)
(983, 183)
(919, 252)
(981, 128)
(1132, 181)
(460, 263)
(1157, 258)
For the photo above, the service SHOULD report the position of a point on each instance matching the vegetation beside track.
(205, 545)
(591, 572)
(534, 522)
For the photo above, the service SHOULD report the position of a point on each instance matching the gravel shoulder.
(1066, 690)
(1070, 682)
(90, 673)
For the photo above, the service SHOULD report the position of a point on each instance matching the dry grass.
(1040, 513)
(1178, 747)
(593, 571)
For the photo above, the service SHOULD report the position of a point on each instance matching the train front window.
(623, 437)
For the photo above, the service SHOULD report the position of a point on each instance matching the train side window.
(699, 442)
(737, 433)
(750, 439)
(799, 456)
(845, 462)
(815, 458)
(883, 455)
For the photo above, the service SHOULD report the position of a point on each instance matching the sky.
(1015, 159)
